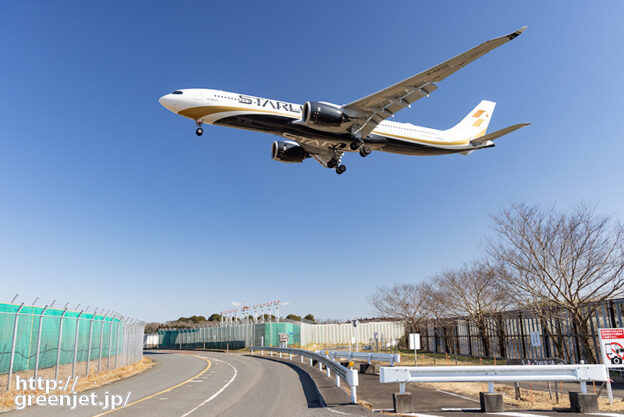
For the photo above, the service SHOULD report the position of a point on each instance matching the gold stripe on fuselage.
(197, 113)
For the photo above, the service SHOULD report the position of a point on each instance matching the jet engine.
(285, 151)
(323, 116)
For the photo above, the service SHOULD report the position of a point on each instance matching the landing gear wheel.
(365, 151)
(332, 163)
(340, 169)
(199, 131)
(355, 145)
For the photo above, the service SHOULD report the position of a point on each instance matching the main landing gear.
(358, 144)
(333, 163)
(365, 151)
(199, 130)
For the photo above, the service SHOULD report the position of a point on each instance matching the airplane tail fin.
(475, 124)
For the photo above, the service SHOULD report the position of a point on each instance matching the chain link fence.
(523, 334)
(41, 341)
(244, 335)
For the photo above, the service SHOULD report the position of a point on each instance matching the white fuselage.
(271, 116)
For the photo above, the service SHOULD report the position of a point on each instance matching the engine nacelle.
(324, 116)
(284, 151)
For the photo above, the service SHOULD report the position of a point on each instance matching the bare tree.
(472, 290)
(402, 301)
(553, 260)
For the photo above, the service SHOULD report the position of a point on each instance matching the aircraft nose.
(168, 102)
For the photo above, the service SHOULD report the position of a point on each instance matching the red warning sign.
(607, 334)
(612, 347)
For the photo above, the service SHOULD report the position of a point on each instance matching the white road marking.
(607, 414)
(160, 399)
(339, 412)
(512, 414)
(213, 396)
(457, 395)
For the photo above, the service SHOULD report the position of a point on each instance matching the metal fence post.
(76, 344)
(90, 334)
(101, 340)
(117, 341)
(58, 348)
(11, 361)
(39, 341)
(110, 342)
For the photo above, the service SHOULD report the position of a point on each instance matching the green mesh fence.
(234, 337)
(71, 328)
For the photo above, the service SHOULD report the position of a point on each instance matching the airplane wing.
(497, 134)
(372, 109)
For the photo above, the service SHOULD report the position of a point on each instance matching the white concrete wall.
(342, 333)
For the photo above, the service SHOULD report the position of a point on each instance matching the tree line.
(540, 259)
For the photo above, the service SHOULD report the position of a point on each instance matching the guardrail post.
(291, 356)
(320, 367)
(58, 348)
(328, 371)
(402, 387)
(39, 342)
(491, 387)
(301, 356)
(311, 362)
(11, 361)
(583, 387)
(337, 381)
(352, 380)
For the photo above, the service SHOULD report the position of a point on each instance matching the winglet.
(516, 33)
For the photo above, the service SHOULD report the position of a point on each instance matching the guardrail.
(364, 356)
(350, 376)
(491, 374)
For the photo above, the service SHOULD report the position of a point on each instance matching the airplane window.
(177, 92)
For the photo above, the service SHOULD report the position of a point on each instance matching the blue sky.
(108, 199)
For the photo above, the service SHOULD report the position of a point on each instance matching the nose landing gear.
(340, 169)
(199, 130)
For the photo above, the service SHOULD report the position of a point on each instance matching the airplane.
(325, 131)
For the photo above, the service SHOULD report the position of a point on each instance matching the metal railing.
(363, 356)
(350, 376)
(491, 374)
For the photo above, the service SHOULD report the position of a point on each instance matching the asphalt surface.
(185, 384)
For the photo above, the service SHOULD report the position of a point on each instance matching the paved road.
(202, 384)
(185, 384)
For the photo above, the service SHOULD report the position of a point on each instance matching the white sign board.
(612, 347)
(414, 341)
(536, 340)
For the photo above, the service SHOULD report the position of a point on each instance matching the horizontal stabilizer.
(497, 134)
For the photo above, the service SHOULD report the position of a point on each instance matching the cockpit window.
(177, 92)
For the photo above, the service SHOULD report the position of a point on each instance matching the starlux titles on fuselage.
(275, 105)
